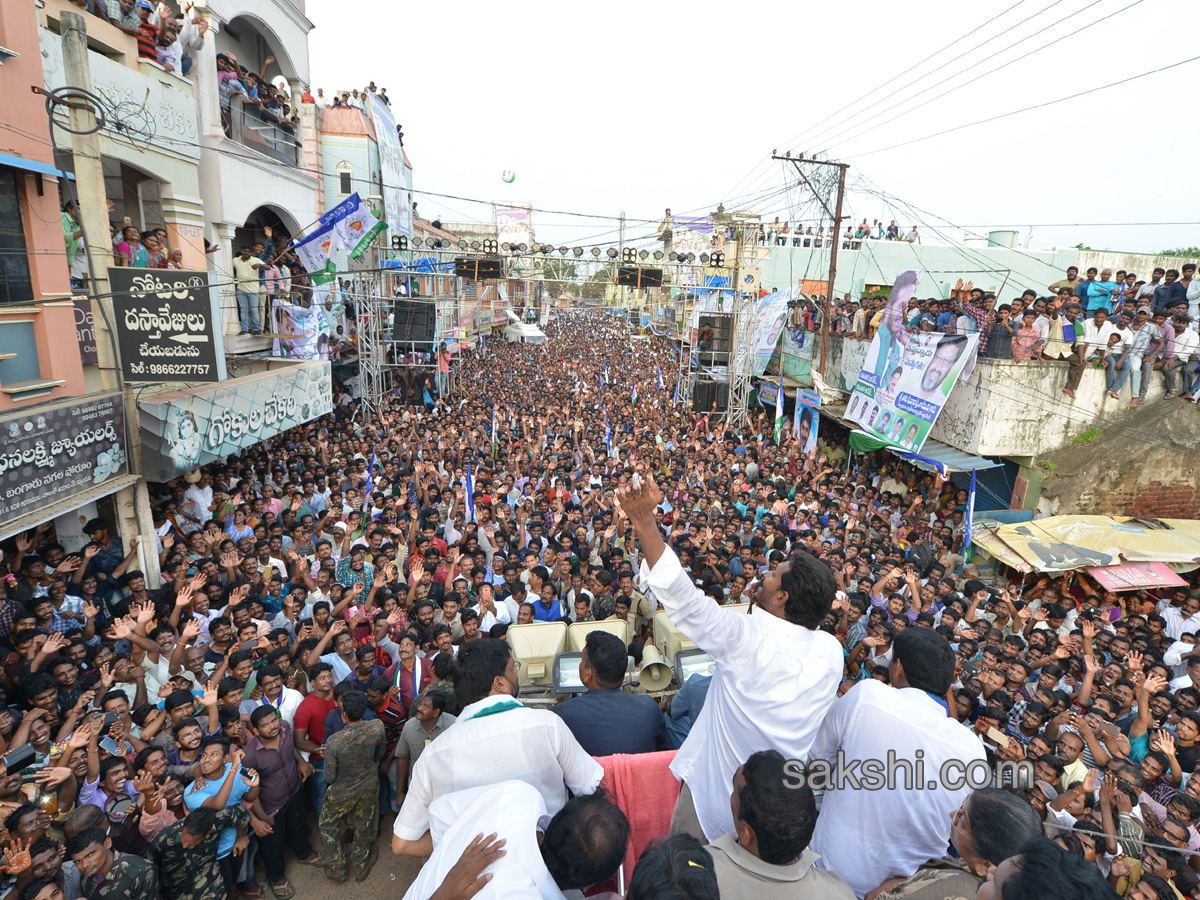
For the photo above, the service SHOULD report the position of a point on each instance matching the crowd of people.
(330, 635)
(777, 234)
(1127, 326)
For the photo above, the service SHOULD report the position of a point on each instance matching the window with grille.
(16, 286)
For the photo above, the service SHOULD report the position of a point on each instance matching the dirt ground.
(390, 877)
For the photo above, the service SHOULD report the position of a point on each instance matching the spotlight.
(595, 251)
(399, 242)
(506, 246)
(522, 247)
(658, 255)
(462, 245)
(489, 246)
(704, 258)
(644, 254)
(691, 257)
(612, 252)
(718, 260)
(563, 251)
(673, 256)
(628, 255)
(475, 245)
(578, 251)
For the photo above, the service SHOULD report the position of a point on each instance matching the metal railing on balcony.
(251, 127)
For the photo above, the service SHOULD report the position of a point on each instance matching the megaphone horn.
(655, 674)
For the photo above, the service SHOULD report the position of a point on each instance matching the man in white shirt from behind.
(775, 677)
(524, 854)
(538, 748)
(894, 726)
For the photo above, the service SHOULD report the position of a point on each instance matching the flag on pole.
(493, 430)
(780, 421)
(470, 495)
(675, 402)
(968, 520)
(356, 225)
(316, 252)
(660, 381)
(606, 381)
(633, 394)
(607, 433)
(370, 484)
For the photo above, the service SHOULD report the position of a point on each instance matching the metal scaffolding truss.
(741, 358)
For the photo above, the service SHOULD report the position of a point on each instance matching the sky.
(601, 109)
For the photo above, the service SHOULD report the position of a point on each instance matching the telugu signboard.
(164, 325)
(907, 378)
(56, 451)
(186, 429)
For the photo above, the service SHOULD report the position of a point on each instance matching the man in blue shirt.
(605, 720)
(1100, 293)
(547, 608)
(219, 785)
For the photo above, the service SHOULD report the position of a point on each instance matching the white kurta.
(903, 827)
(510, 810)
(773, 683)
(530, 745)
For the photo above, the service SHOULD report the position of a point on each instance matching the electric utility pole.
(836, 216)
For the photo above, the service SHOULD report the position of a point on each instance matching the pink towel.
(645, 789)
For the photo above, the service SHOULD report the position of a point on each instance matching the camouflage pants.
(360, 813)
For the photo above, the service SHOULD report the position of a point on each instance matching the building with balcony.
(256, 170)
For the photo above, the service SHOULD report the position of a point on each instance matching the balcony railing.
(251, 127)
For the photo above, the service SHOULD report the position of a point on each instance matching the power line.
(819, 136)
(880, 86)
(876, 125)
(1026, 109)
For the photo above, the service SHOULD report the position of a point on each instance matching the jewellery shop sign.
(56, 451)
(164, 325)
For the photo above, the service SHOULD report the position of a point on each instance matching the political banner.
(906, 378)
(397, 202)
(514, 225)
(806, 421)
(301, 332)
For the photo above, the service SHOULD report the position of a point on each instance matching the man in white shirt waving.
(775, 678)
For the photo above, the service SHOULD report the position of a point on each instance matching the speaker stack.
(414, 322)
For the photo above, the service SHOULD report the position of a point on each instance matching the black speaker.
(705, 392)
(637, 277)
(477, 268)
(414, 322)
(722, 327)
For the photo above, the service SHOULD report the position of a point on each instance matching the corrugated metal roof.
(936, 456)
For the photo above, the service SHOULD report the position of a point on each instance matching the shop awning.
(32, 165)
(934, 456)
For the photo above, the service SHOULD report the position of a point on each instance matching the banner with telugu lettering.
(190, 428)
(55, 451)
(906, 378)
